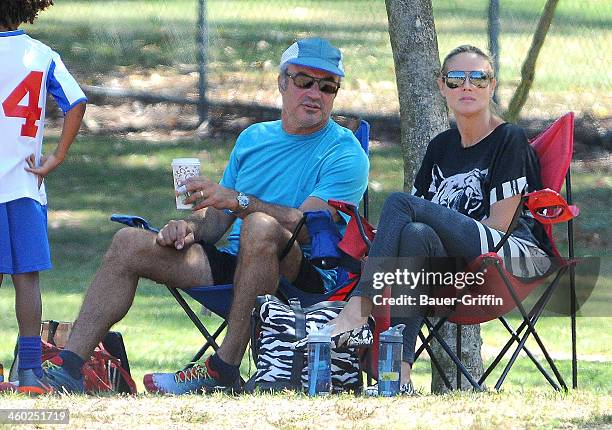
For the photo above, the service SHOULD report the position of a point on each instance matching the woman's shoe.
(355, 338)
(406, 389)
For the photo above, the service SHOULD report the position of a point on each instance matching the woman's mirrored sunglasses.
(326, 85)
(456, 78)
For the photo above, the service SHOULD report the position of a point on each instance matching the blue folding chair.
(218, 298)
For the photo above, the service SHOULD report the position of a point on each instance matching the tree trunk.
(471, 343)
(415, 53)
(423, 115)
(528, 70)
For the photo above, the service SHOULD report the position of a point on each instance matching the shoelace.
(196, 372)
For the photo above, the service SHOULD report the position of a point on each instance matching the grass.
(105, 40)
(135, 42)
(527, 409)
(108, 175)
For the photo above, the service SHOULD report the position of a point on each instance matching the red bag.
(101, 373)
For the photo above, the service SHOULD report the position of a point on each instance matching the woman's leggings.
(417, 229)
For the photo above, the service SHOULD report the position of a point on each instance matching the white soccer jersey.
(28, 70)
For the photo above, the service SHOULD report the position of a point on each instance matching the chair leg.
(207, 345)
(516, 337)
(509, 343)
(573, 327)
(530, 328)
(458, 349)
(453, 356)
(429, 338)
(193, 317)
(434, 360)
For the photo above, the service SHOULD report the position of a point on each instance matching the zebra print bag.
(276, 326)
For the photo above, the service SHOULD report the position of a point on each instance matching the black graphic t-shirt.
(470, 180)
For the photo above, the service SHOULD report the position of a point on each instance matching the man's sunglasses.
(456, 78)
(326, 85)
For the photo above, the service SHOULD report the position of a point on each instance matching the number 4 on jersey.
(31, 113)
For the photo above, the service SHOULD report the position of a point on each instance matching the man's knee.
(260, 230)
(129, 242)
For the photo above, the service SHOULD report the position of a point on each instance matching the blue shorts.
(24, 245)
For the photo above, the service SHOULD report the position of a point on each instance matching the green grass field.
(108, 175)
(150, 45)
(106, 40)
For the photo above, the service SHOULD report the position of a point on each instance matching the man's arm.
(206, 225)
(208, 194)
(290, 217)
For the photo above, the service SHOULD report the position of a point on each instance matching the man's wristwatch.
(243, 203)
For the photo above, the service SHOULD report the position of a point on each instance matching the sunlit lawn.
(107, 175)
(105, 40)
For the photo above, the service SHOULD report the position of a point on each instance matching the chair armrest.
(133, 221)
(549, 207)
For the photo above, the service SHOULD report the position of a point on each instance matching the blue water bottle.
(319, 361)
(390, 361)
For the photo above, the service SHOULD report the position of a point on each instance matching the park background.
(132, 55)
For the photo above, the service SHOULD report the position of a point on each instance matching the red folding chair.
(554, 149)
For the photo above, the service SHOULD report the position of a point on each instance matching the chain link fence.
(149, 47)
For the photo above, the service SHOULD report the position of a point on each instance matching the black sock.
(72, 363)
(225, 373)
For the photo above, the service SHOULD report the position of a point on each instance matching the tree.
(423, 115)
(528, 70)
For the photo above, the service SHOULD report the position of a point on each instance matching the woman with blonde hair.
(464, 197)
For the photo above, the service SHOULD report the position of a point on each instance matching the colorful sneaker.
(195, 379)
(30, 383)
(62, 382)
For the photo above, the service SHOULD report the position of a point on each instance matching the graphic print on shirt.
(461, 192)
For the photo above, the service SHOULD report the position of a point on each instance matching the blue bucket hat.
(316, 53)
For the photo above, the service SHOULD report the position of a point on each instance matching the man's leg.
(258, 269)
(133, 254)
(262, 239)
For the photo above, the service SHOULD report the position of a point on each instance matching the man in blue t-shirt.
(277, 171)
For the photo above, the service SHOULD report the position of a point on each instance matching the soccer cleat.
(195, 379)
(61, 381)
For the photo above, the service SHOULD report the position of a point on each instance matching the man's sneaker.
(63, 382)
(30, 383)
(196, 379)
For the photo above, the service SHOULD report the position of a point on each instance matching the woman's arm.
(502, 212)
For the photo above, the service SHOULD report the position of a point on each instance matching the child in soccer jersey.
(29, 70)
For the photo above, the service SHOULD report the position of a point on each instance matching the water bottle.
(319, 361)
(390, 361)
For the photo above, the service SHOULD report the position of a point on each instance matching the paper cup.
(183, 168)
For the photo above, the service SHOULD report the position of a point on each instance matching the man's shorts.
(24, 245)
(223, 267)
